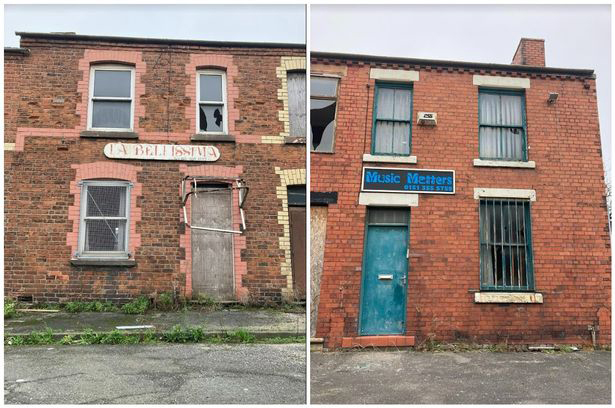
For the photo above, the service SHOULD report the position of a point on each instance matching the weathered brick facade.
(571, 245)
(47, 155)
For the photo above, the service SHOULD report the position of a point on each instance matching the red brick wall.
(569, 221)
(530, 51)
(38, 176)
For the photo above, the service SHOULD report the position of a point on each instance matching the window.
(104, 228)
(392, 119)
(111, 98)
(501, 117)
(505, 245)
(211, 109)
(323, 104)
(296, 103)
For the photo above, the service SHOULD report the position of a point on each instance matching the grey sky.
(575, 37)
(253, 23)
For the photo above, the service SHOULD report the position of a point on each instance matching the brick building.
(457, 201)
(191, 155)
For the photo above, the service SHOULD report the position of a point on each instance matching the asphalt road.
(155, 374)
(408, 377)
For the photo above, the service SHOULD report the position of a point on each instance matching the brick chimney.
(530, 51)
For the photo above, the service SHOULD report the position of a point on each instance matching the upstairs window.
(211, 106)
(323, 105)
(391, 132)
(296, 103)
(505, 245)
(502, 130)
(111, 98)
(104, 219)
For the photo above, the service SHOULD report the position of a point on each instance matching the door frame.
(363, 275)
(229, 186)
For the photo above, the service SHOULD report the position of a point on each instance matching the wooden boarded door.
(297, 247)
(212, 252)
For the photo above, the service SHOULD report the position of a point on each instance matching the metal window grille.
(387, 216)
(502, 128)
(104, 220)
(505, 245)
(392, 123)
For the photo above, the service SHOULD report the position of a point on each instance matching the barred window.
(505, 245)
(111, 97)
(104, 219)
(502, 133)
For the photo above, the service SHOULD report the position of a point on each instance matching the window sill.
(129, 263)
(370, 158)
(106, 134)
(504, 163)
(507, 297)
(204, 137)
(294, 139)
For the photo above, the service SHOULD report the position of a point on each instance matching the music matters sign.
(381, 179)
(143, 151)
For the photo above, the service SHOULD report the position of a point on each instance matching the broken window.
(211, 91)
(111, 97)
(505, 245)
(392, 120)
(296, 103)
(104, 219)
(323, 104)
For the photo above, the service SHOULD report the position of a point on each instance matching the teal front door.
(385, 272)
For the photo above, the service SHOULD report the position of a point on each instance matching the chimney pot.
(530, 51)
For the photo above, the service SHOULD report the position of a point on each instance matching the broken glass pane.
(210, 118)
(114, 84)
(211, 88)
(322, 124)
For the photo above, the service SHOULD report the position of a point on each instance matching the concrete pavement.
(155, 374)
(478, 377)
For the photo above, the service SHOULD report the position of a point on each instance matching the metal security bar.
(505, 245)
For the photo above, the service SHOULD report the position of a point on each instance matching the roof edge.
(140, 40)
(462, 64)
(16, 50)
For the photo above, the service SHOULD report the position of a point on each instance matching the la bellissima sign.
(143, 151)
(383, 179)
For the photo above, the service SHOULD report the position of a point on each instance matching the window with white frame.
(111, 104)
(211, 105)
(104, 221)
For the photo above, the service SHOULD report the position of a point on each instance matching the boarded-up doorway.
(212, 252)
(297, 215)
(318, 232)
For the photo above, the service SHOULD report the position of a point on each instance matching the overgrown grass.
(96, 306)
(137, 306)
(10, 308)
(177, 334)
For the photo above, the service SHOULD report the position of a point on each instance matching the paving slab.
(266, 321)
(476, 377)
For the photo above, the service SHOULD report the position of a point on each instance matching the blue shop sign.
(384, 179)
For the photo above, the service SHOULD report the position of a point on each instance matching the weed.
(96, 306)
(68, 339)
(498, 348)
(566, 349)
(165, 301)
(137, 306)
(10, 308)
(282, 340)
(180, 335)
(240, 336)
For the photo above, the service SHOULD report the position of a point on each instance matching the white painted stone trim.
(501, 82)
(507, 297)
(397, 75)
(9, 146)
(389, 199)
(504, 193)
(370, 158)
(504, 163)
